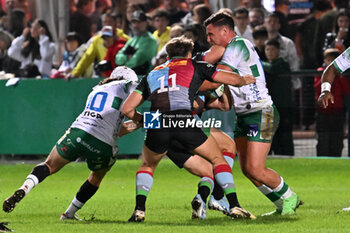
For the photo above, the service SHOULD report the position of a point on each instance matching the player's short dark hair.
(220, 19)
(260, 32)
(179, 47)
(240, 10)
(273, 42)
(161, 13)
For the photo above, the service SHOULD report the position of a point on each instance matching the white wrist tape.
(326, 86)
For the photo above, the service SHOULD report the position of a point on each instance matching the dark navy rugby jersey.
(174, 84)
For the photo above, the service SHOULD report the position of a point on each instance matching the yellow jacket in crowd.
(96, 50)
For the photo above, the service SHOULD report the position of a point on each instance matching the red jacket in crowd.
(112, 52)
(340, 88)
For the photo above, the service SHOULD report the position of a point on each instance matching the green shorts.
(258, 126)
(77, 143)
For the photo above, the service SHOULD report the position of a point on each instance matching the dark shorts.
(160, 140)
(178, 154)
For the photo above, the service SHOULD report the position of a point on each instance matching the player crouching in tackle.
(198, 166)
(171, 88)
(92, 135)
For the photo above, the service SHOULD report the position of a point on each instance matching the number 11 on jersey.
(173, 86)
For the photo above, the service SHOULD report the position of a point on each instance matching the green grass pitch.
(323, 184)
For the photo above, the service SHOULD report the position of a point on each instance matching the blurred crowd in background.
(104, 34)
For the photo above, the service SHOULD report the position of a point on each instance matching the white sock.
(30, 182)
(73, 207)
(266, 190)
(287, 193)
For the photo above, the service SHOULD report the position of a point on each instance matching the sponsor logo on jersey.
(93, 114)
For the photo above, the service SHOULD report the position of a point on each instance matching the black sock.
(86, 191)
(204, 191)
(232, 199)
(140, 202)
(218, 193)
(41, 171)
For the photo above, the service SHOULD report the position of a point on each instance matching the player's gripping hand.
(248, 79)
(324, 99)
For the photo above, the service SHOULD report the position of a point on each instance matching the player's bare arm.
(327, 80)
(214, 54)
(231, 78)
(207, 85)
(129, 127)
(129, 107)
(223, 103)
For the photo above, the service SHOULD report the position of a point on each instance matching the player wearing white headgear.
(92, 135)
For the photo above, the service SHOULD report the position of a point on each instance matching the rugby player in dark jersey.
(171, 88)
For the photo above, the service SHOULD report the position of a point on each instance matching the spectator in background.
(256, 17)
(120, 21)
(17, 22)
(114, 44)
(10, 5)
(241, 19)
(280, 90)
(188, 18)
(287, 47)
(96, 51)
(193, 32)
(340, 37)
(74, 51)
(330, 121)
(260, 37)
(131, 8)
(34, 49)
(174, 11)
(80, 22)
(161, 57)
(325, 25)
(7, 64)
(200, 13)
(160, 22)
(101, 7)
(282, 11)
(250, 4)
(140, 49)
(304, 42)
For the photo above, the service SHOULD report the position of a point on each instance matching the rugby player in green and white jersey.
(92, 135)
(257, 117)
(338, 66)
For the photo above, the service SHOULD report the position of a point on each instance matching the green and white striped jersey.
(102, 117)
(342, 62)
(242, 58)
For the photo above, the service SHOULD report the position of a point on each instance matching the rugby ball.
(216, 93)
